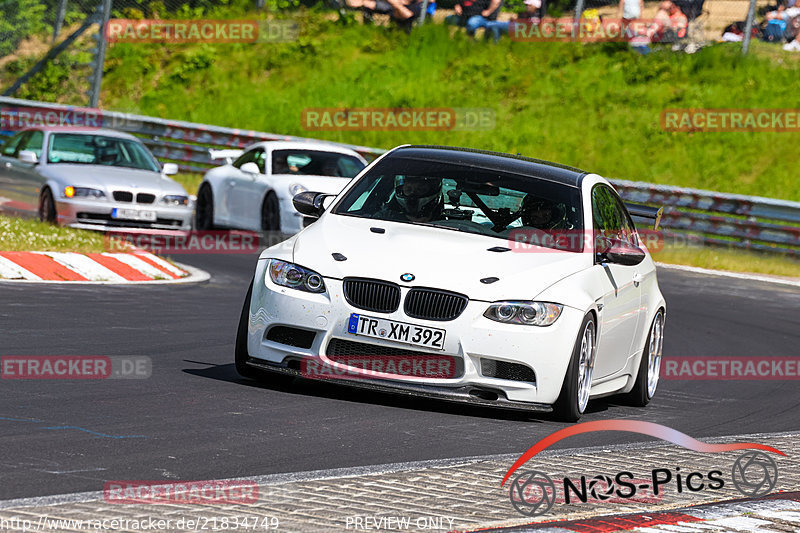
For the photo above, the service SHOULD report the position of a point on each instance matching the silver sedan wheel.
(654, 353)
(586, 365)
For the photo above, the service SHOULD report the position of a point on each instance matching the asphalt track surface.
(196, 419)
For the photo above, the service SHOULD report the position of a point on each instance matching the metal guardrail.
(712, 218)
(185, 143)
(704, 217)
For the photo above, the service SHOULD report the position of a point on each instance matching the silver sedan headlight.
(294, 276)
(175, 199)
(524, 312)
(84, 192)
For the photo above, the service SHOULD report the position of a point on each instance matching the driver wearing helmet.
(418, 199)
(543, 213)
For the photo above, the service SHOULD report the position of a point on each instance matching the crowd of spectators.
(671, 23)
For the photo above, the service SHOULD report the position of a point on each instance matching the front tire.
(241, 354)
(204, 211)
(47, 207)
(577, 384)
(270, 213)
(650, 365)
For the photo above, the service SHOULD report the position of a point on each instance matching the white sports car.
(254, 191)
(463, 275)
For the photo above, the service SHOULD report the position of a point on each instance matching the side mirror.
(311, 204)
(169, 169)
(619, 252)
(28, 156)
(250, 168)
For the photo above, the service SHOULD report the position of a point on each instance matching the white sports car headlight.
(296, 188)
(294, 276)
(525, 313)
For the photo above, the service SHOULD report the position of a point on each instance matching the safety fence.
(704, 217)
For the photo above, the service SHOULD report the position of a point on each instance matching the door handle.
(637, 279)
(232, 183)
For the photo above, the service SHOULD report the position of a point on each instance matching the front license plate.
(133, 214)
(389, 330)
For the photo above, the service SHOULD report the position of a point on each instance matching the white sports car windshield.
(316, 163)
(99, 150)
(468, 199)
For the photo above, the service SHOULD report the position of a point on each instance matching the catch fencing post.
(60, 14)
(100, 56)
(748, 29)
(424, 12)
(577, 21)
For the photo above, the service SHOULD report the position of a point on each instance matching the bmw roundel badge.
(407, 277)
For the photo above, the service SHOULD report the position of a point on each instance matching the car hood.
(438, 258)
(101, 176)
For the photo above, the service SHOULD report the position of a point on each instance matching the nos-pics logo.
(533, 493)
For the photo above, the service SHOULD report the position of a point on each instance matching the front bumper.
(469, 338)
(94, 214)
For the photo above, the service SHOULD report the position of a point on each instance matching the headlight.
(175, 199)
(526, 313)
(296, 188)
(84, 192)
(294, 276)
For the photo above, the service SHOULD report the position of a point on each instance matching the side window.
(10, 147)
(610, 218)
(260, 159)
(246, 157)
(33, 143)
(628, 229)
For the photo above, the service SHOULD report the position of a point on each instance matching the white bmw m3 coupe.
(463, 275)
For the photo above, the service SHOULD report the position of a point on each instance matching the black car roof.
(492, 161)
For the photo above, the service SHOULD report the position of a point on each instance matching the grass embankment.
(28, 235)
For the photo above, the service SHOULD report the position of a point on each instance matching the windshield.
(316, 163)
(99, 150)
(469, 199)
